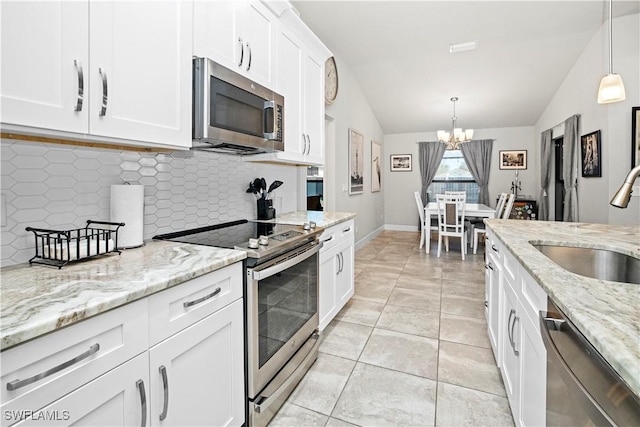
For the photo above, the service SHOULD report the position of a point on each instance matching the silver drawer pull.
(494, 248)
(143, 402)
(16, 384)
(328, 240)
(204, 298)
(347, 230)
(241, 52)
(249, 63)
(103, 107)
(165, 388)
(78, 106)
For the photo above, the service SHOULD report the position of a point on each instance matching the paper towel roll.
(127, 205)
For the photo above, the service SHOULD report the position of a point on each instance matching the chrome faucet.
(622, 196)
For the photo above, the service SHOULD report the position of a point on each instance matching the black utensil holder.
(265, 209)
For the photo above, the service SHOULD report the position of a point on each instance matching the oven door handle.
(288, 262)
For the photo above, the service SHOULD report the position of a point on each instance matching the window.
(453, 175)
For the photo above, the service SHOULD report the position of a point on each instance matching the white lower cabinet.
(336, 276)
(118, 398)
(515, 333)
(197, 375)
(102, 371)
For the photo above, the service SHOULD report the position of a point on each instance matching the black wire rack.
(58, 248)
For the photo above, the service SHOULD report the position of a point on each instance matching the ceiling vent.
(463, 47)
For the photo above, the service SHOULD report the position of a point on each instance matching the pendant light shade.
(456, 136)
(611, 87)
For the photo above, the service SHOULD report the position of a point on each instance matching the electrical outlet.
(3, 211)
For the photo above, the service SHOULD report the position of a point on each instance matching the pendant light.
(611, 87)
(457, 135)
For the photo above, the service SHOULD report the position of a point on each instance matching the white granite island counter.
(35, 300)
(606, 312)
(322, 219)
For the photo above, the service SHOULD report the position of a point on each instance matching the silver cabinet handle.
(16, 384)
(241, 51)
(328, 240)
(304, 139)
(80, 101)
(249, 62)
(338, 269)
(489, 266)
(513, 337)
(309, 144)
(494, 248)
(143, 402)
(204, 298)
(347, 230)
(103, 108)
(509, 330)
(165, 388)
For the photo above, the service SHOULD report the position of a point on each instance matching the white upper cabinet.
(45, 64)
(141, 61)
(300, 79)
(109, 71)
(238, 35)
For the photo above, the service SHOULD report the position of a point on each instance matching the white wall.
(399, 205)
(351, 110)
(577, 95)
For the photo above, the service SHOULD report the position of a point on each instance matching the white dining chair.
(508, 205)
(424, 227)
(451, 210)
(480, 228)
(468, 222)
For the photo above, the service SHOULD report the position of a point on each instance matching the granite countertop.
(606, 312)
(321, 218)
(35, 300)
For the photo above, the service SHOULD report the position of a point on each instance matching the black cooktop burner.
(236, 235)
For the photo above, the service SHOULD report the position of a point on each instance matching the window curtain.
(477, 154)
(430, 154)
(570, 168)
(545, 174)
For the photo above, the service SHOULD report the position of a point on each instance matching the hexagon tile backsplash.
(61, 187)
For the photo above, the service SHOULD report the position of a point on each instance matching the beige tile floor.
(409, 349)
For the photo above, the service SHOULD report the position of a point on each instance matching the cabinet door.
(327, 286)
(313, 107)
(533, 375)
(258, 30)
(492, 292)
(141, 71)
(204, 367)
(511, 347)
(289, 70)
(216, 32)
(45, 61)
(117, 398)
(344, 280)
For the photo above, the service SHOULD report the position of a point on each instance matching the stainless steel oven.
(281, 304)
(282, 319)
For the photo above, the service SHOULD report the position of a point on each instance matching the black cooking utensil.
(275, 184)
(263, 184)
(251, 188)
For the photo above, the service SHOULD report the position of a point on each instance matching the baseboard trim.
(366, 239)
(400, 227)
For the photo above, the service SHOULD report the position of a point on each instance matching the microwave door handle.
(269, 105)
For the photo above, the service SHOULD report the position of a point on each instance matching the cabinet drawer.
(509, 263)
(347, 230)
(174, 309)
(494, 247)
(70, 357)
(329, 238)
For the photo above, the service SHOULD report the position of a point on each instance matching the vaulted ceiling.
(399, 53)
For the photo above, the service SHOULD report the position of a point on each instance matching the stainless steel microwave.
(233, 114)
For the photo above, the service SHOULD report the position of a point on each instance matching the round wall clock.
(330, 80)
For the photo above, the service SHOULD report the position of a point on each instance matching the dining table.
(477, 210)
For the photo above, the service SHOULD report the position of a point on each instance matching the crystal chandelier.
(456, 136)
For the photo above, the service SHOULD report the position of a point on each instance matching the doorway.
(558, 204)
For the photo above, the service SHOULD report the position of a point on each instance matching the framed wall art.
(513, 159)
(591, 155)
(635, 137)
(376, 167)
(356, 162)
(400, 163)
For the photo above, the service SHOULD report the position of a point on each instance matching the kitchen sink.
(595, 263)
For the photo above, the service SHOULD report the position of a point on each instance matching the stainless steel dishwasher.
(582, 388)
